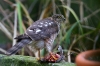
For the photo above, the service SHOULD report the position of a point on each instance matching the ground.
(19, 60)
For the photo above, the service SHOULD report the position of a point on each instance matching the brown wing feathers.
(18, 46)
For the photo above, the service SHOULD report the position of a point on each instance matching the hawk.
(41, 34)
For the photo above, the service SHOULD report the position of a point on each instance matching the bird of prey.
(41, 34)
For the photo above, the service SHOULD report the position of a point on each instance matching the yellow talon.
(38, 58)
(53, 56)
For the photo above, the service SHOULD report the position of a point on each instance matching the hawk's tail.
(18, 46)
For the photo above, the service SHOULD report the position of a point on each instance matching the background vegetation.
(80, 31)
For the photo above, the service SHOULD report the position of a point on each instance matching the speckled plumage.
(42, 29)
(42, 33)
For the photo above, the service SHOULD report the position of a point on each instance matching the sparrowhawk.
(41, 34)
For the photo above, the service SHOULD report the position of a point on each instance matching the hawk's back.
(42, 29)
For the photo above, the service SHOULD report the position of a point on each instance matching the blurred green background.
(80, 31)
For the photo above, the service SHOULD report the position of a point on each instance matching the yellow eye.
(58, 16)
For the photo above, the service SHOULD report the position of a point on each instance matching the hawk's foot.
(54, 57)
(51, 58)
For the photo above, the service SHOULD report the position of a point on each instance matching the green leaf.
(19, 17)
(68, 33)
(75, 16)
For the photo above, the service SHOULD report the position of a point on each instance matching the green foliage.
(19, 17)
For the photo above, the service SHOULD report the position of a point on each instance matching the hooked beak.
(64, 19)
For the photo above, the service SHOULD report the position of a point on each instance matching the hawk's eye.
(58, 17)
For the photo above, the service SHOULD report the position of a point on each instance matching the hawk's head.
(58, 18)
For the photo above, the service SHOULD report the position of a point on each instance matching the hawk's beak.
(64, 20)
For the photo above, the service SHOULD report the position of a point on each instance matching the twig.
(68, 4)
(90, 39)
(69, 58)
(81, 11)
(44, 11)
(78, 2)
(91, 11)
(4, 29)
(15, 27)
(75, 40)
(9, 2)
(95, 40)
(5, 15)
(95, 12)
(42, 14)
(3, 51)
(88, 27)
(26, 12)
(32, 6)
(53, 6)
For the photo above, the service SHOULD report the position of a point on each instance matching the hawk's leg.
(49, 45)
(35, 51)
(39, 54)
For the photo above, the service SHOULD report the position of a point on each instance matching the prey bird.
(41, 34)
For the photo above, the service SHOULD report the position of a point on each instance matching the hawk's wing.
(42, 29)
